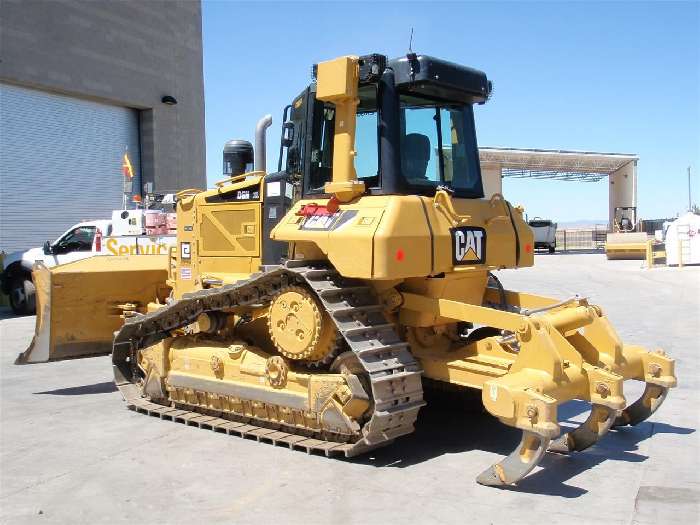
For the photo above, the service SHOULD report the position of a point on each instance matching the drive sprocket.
(300, 329)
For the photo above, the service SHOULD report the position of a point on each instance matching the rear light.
(312, 208)
(98, 240)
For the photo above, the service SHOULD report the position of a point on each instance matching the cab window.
(321, 156)
(366, 142)
(438, 147)
(295, 151)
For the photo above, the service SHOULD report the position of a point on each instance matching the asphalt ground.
(70, 452)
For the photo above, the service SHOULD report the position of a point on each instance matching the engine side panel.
(219, 236)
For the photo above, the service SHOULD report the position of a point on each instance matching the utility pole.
(690, 202)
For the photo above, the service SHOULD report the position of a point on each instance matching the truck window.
(77, 240)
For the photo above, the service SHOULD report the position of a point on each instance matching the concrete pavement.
(71, 453)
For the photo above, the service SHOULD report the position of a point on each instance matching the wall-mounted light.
(169, 100)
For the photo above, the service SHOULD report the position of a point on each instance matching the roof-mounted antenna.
(412, 59)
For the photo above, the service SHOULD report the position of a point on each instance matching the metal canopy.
(583, 166)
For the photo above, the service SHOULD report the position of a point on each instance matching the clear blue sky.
(610, 77)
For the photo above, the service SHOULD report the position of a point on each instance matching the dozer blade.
(599, 421)
(81, 304)
(644, 407)
(518, 464)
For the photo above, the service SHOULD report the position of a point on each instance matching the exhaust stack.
(260, 139)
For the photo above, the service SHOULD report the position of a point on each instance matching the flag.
(126, 167)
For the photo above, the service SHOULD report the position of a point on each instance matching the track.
(394, 375)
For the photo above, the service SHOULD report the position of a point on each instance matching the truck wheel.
(23, 296)
(552, 248)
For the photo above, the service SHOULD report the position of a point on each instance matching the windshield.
(438, 147)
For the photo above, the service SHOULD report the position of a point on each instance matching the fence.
(592, 239)
(649, 226)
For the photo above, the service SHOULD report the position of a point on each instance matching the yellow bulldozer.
(309, 307)
(626, 241)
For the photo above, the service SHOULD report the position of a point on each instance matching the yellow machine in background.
(625, 241)
(307, 306)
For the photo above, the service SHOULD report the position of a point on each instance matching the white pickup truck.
(545, 233)
(128, 232)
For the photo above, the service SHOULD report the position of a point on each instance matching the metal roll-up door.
(60, 163)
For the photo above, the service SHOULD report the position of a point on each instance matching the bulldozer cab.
(374, 146)
(414, 129)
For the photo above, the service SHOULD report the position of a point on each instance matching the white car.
(125, 234)
(545, 232)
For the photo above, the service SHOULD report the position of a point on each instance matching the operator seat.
(415, 155)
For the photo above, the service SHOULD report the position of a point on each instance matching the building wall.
(623, 192)
(491, 179)
(128, 53)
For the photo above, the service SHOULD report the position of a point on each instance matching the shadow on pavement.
(456, 424)
(572, 409)
(96, 388)
(440, 431)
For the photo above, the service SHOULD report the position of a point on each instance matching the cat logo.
(468, 245)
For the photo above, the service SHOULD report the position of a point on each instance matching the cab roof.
(434, 77)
